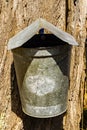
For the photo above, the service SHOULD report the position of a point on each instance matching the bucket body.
(43, 77)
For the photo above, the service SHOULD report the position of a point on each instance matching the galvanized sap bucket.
(42, 69)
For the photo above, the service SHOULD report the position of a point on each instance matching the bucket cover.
(28, 32)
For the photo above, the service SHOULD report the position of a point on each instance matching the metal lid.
(28, 32)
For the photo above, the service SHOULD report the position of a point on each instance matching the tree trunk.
(77, 27)
(15, 15)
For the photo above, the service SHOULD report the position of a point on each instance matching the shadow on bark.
(31, 123)
(84, 120)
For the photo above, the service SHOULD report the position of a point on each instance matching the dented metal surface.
(42, 75)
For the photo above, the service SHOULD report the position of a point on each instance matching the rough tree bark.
(77, 27)
(68, 15)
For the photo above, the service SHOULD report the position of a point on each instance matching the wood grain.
(14, 16)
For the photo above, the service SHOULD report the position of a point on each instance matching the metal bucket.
(42, 69)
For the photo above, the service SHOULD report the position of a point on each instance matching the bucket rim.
(42, 48)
